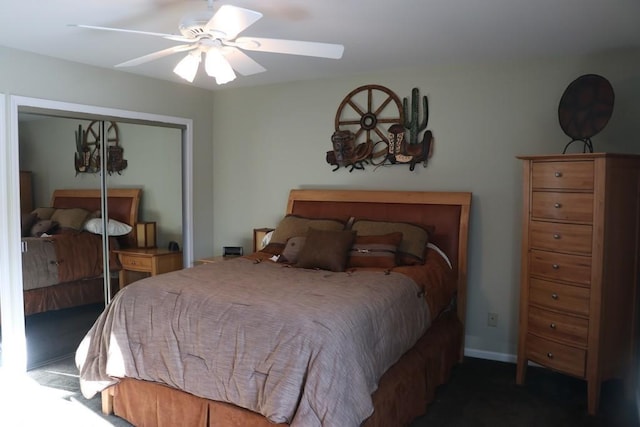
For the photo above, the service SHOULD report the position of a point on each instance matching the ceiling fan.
(215, 36)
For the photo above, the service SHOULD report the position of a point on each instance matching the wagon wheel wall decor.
(364, 116)
(91, 144)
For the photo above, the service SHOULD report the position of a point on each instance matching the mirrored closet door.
(71, 242)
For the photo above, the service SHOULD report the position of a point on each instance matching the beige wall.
(268, 140)
(252, 145)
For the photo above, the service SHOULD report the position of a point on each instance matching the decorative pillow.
(375, 251)
(326, 249)
(73, 218)
(44, 212)
(114, 228)
(293, 225)
(292, 249)
(94, 214)
(43, 226)
(414, 238)
(26, 222)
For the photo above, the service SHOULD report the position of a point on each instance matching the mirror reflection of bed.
(56, 318)
(63, 276)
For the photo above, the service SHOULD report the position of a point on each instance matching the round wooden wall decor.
(585, 108)
(368, 111)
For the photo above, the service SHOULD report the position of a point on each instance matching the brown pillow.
(44, 212)
(43, 226)
(26, 222)
(73, 218)
(414, 238)
(292, 250)
(294, 225)
(375, 251)
(326, 249)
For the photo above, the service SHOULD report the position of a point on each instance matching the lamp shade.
(146, 234)
(216, 65)
(259, 235)
(188, 66)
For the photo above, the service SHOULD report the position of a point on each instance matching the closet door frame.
(14, 352)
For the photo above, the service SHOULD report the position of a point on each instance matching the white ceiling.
(376, 34)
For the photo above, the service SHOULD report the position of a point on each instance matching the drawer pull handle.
(556, 236)
(552, 326)
(550, 355)
(557, 205)
(554, 296)
(558, 174)
(555, 266)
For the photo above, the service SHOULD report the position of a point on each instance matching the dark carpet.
(55, 334)
(483, 393)
(480, 393)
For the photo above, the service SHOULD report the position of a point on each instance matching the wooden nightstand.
(152, 261)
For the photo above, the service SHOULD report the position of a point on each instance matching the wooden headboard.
(448, 212)
(122, 204)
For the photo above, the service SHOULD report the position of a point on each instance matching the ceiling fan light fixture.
(215, 35)
(216, 65)
(187, 68)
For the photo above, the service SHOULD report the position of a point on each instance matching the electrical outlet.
(492, 319)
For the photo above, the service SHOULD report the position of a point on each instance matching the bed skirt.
(66, 295)
(403, 394)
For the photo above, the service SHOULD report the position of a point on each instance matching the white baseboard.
(490, 355)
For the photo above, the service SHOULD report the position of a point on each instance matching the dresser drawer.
(132, 262)
(576, 207)
(561, 237)
(548, 324)
(576, 175)
(560, 357)
(557, 266)
(556, 296)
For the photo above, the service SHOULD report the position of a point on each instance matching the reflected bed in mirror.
(63, 269)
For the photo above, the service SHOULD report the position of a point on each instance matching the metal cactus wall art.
(418, 150)
(360, 137)
(412, 124)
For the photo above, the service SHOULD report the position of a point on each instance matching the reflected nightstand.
(151, 261)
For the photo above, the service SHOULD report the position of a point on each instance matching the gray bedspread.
(305, 347)
(39, 263)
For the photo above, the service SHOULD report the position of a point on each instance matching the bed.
(64, 269)
(111, 359)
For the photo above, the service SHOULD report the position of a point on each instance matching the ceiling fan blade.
(241, 62)
(292, 47)
(232, 20)
(157, 55)
(147, 33)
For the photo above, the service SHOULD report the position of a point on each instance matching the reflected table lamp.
(146, 234)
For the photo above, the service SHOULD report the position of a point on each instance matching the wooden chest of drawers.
(579, 277)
